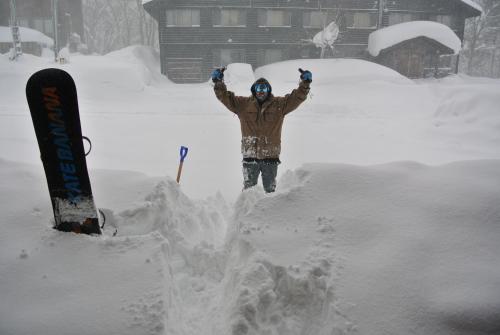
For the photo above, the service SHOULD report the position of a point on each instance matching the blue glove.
(306, 75)
(218, 75)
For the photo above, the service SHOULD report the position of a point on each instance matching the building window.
(183, 18)
(361, 20)
(230, 18)
(268, 56)
(396, 18)
(444, 19)
(274, 18)
(224, 57)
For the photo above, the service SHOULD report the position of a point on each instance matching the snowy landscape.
(386, 218)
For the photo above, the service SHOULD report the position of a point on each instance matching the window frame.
(392, 15)
(221, 24)
(192, 10)
(372, 17)
(266, 25)
(309, 14)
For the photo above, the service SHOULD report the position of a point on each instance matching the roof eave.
(471, 11)
(152, 8)
(445, 50)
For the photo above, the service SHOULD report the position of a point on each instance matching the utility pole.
(14, 28)
(56, 30)
(494, 55)
(381, 6)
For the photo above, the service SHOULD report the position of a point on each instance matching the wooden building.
(38, 15)
(418, 58)
(199, 35)
(33, 41)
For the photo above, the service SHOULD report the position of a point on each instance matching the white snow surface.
(387, 37)
(385, 220)
(27, 35)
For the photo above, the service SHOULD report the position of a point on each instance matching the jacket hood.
(261, 81)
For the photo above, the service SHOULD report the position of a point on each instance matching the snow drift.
(341, 249)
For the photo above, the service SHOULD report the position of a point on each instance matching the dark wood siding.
(200, 42)
(416, 58)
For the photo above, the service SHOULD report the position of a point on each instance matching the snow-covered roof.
(390, 36)
(473, 5)
(27, 35)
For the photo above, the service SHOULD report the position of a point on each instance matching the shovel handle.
(179, 172)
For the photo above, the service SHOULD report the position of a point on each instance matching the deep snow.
(386, 219)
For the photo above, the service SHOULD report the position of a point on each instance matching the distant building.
(199, 35)
(415, 49)
(33, 41)
(38, 15)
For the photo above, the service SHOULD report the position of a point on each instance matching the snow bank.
(329, 71)
(395, 248)
(65, 283)
(468, 109)
(27, 35)
(74, 284)
(239, 73)
(240, 77)
(340, 249)
(390, 36)
(145, 58)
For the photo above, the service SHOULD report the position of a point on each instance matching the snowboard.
(53, 103)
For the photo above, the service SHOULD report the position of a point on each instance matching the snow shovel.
(184, 152)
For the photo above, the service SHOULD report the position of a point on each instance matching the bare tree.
(482, 40)
(114, 24)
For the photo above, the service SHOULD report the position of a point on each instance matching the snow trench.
(397, 248)
(218, 280)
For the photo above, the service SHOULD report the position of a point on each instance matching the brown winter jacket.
(261, 124)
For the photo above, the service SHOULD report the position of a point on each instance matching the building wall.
(416, 58)
(200, 43)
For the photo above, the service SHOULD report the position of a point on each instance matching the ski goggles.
(261, 88)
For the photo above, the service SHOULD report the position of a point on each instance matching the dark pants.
(253, 167)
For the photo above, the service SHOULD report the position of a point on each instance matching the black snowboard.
(53, 103)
